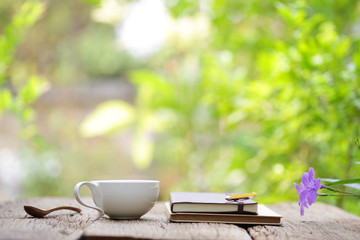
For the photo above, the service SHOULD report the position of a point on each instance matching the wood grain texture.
(155, 225)
(64, 224)
(321, 221)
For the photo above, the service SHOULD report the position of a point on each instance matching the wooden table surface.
(321, 221)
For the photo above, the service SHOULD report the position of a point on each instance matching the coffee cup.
(121, 199)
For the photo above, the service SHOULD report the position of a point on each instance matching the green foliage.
(19, 91)
(27, 13)
(93, 2)
(273, 91)
(28, 90)
(5, 99)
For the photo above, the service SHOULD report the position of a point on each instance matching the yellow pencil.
(240, 195)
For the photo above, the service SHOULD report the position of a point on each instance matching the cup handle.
(93, 188)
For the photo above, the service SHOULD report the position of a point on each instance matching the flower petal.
(305, 180)
(298, 188)
(303, 195)
(311, 174)
(311, 197)
(317, 184)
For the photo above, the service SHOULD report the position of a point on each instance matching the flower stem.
(338, 195)
(335, 190)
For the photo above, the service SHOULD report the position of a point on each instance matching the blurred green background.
(211, 95)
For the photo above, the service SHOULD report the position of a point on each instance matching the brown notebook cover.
(203, 202)
(265, 216)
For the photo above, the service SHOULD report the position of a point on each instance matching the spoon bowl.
(39, 213)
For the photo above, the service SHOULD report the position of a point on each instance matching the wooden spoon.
(37, 212)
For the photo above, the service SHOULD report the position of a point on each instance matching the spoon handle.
(65, 207)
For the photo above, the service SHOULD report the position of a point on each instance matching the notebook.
(265, 216)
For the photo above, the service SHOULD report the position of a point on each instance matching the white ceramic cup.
(121, 199)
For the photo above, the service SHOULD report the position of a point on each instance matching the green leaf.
(95, 3)
(5, 99)
(341, 182)
(32, 90)
(28, 13)
(350, 185)
(107, 117)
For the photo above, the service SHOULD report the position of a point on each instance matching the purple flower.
(308, 189)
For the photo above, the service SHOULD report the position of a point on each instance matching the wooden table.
(321, 221)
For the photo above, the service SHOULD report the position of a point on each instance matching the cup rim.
(126, 181)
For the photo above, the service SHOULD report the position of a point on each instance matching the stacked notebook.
(213, 207)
